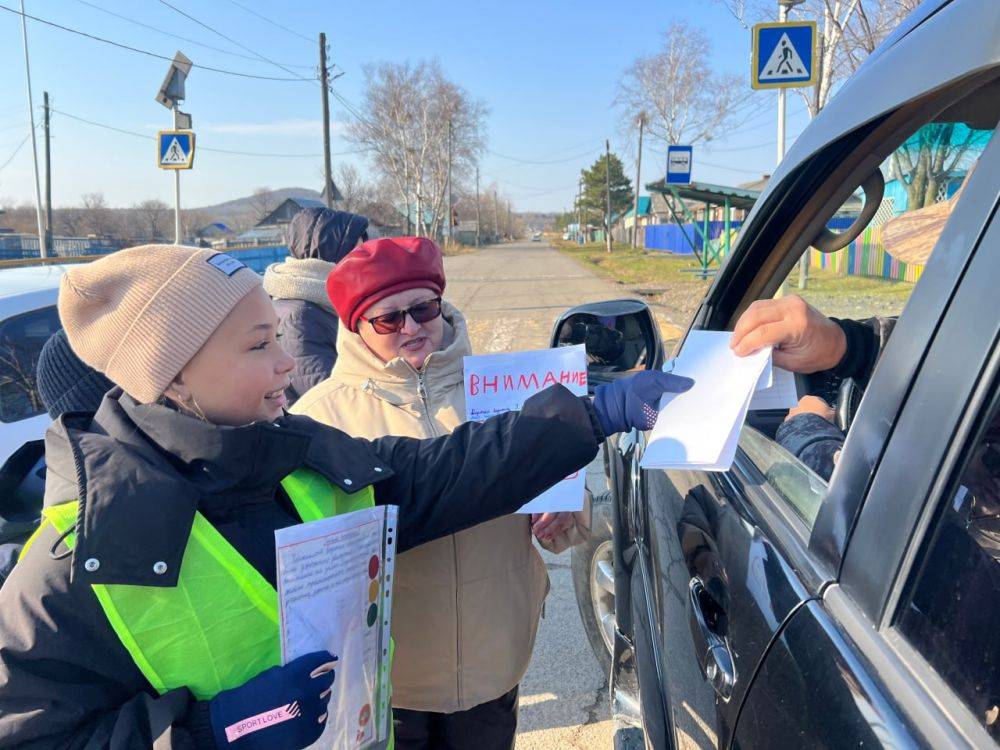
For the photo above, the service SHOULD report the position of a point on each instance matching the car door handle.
(716, 660)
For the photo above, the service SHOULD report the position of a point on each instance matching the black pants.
(488, 726)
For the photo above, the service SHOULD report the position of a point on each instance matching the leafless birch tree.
(684, 100)
(404, 121)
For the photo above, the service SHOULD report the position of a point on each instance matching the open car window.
(869, 282)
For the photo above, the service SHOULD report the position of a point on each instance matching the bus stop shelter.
(679, 198)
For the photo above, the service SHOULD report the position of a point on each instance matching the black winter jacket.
(140, 473)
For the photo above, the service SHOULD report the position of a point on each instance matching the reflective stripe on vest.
(218, 627)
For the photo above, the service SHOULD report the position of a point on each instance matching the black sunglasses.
(392, 322)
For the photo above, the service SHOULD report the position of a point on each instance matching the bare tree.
(69, 221)
(356, 191)
(930, 156)
(152, 216)
(262, 203)
(411, 111)
(21, 218)
(684, 100)
(849, 30)
(98, 218)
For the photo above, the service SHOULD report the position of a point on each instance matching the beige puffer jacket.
(466, 607)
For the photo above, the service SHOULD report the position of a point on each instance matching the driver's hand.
(812, 405)
(804, 339)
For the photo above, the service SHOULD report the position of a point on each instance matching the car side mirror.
(620, 336)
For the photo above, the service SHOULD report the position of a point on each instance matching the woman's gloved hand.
(282, 707)
(633, 402)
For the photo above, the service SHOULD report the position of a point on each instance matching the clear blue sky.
(547, 70)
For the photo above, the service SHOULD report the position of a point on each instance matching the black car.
(769, 607)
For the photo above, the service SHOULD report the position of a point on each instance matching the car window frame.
(921, 693)
(13, 319)
(762, 261)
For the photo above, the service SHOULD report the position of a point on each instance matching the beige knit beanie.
(141, 314)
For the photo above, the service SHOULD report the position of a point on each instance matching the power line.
(746, 148)
(16, 150)
(233, 41)
(541, 161)
(273, 23)
(145, 52)
(177, 36)
(757, 172)
(200, 148)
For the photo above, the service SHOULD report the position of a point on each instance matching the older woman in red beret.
(466, 606)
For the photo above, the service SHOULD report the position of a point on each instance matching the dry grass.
(667, 279)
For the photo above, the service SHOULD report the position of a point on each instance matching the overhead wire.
(270, 21)
(16, 150)
(137, 50)
(233, 41)
(200, 148)
(543, 161)
(151, 27)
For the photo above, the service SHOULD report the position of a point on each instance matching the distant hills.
(240, 212)
(237, 212)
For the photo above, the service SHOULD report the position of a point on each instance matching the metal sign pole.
(177, 194)
(782, 17)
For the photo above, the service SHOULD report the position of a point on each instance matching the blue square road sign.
(175, 149)
(784, 55)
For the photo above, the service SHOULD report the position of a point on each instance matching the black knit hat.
(65, 382)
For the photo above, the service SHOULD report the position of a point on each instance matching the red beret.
(380, 268)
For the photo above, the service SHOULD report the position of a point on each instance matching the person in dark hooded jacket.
(317, 239)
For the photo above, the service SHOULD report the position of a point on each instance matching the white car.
(27, 318)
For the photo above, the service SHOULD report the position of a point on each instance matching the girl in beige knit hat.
(143, 610)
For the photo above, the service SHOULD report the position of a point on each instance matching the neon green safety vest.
(218, 627)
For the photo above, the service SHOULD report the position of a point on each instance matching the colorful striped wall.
(866, 256)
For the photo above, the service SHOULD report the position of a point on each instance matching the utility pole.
(48, 179)
(448, 212)
(324, 77)
(579, 211)
(478, 211)
(496, 215)
(607, 191)
(638, 172)
(510, 223)
(42, 250)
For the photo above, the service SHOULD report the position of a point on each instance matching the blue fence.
(19, 246)
(670, 237)
(23, 247)
(259, 258)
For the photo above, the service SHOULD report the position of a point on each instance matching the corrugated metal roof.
(707, 193)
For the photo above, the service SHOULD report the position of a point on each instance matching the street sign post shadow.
(784, 55)
(679, 163)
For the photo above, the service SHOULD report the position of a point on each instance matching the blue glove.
(633, 402)
(282, 708)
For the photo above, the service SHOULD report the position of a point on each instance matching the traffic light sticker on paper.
(374, 566)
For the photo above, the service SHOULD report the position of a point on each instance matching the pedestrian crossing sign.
(784, 55)
(175, 149)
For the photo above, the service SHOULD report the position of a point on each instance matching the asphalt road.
(512, 295)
